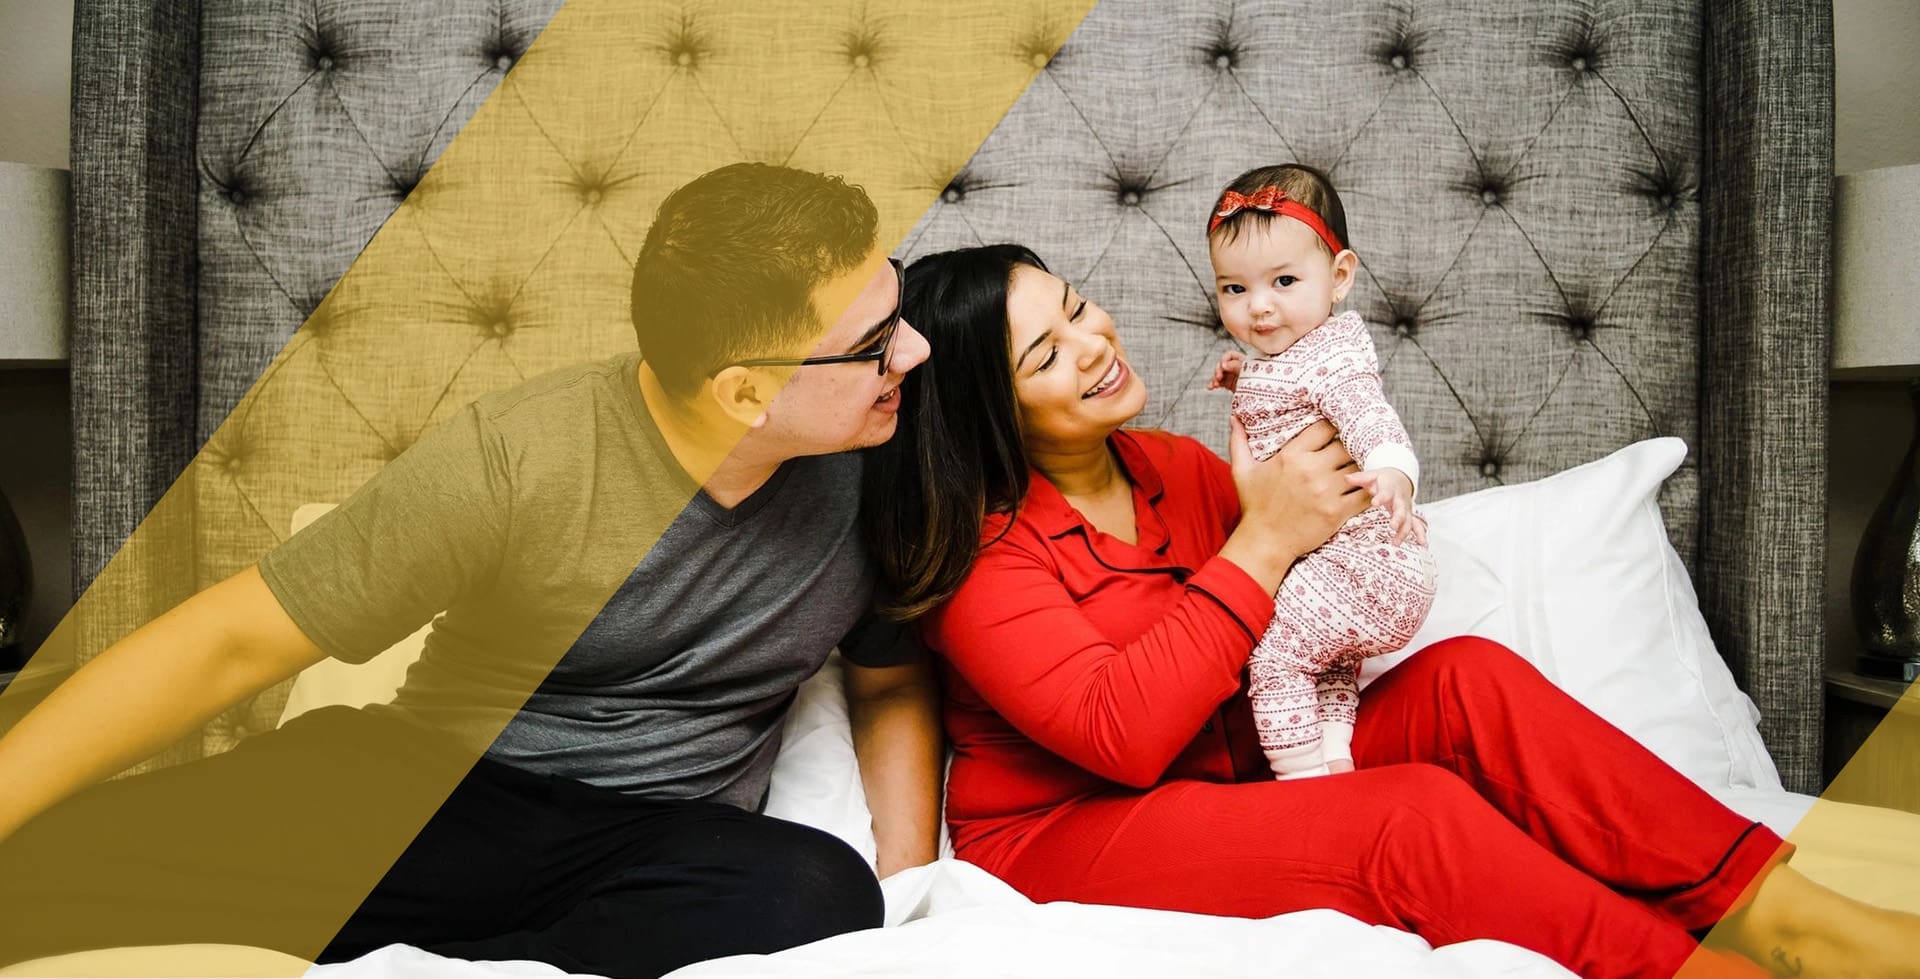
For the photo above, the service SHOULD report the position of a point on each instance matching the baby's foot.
(1339, 767)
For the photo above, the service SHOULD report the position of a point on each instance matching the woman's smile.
(1114, 381)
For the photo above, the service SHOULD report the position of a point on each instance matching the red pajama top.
(1078, 665)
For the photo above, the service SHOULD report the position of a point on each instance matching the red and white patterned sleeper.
(1359, 594)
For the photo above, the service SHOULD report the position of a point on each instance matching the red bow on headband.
(1275, 201)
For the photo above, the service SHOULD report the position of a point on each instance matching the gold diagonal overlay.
(510, 258)
(1861, 837)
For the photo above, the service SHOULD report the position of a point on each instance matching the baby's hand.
(1392, 490)
(1227, 373)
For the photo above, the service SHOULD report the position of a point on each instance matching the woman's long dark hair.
(957, 454)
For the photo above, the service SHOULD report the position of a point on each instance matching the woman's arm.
(1290, 502)
(1124, 712)
(1121, 711)
(896, 735)
(147, 691)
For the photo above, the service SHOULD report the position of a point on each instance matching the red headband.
(1275, 201)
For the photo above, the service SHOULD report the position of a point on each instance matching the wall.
(36, 462)
(1876, 91)
(36, 80)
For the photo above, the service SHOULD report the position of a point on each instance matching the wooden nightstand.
(1889, 773)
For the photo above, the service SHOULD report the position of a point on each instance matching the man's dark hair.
(731, 262)
(1301, 183)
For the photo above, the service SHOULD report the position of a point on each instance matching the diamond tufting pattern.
(364, 274)
(1518, 184)
(1582, 222)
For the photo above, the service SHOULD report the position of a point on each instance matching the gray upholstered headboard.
(1581, 224)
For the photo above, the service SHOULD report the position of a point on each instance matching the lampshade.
(34, 260)
(1876, 261)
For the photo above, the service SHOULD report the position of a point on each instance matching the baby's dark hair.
(1301, 183)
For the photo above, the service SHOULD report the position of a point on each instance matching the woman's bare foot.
(1797, 928)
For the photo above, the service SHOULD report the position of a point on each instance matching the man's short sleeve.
(426, 530)
(876, 642)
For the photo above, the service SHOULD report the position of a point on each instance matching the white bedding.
(953, 919)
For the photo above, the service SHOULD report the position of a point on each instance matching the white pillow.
(1575, 573)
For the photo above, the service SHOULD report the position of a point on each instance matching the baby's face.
(1276, 283)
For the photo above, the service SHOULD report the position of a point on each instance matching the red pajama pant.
(1489, 804)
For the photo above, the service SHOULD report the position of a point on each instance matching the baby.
(1280, 265)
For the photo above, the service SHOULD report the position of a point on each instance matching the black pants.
(260, 846)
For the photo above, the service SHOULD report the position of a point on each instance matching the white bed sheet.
(953, 919)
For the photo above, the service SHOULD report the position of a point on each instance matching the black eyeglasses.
(880, 353)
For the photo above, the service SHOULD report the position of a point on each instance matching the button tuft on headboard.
(1580, 325)
(1039, 49)
(686, 47)
(956, 189)
(861, 48)
(1405, 327)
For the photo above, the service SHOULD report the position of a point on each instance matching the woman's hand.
(1291, 502)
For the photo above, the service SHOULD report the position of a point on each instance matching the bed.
(1583, 225)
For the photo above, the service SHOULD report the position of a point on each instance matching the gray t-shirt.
(525, 518)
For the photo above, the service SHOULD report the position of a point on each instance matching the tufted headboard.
(1581, 223)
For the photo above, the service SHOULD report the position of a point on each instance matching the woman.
(1094, 593)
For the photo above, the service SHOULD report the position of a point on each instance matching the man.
(611, 827)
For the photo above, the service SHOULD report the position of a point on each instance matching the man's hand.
(1226, 374)
(1391, 490)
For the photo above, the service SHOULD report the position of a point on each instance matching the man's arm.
(896, 735)
(149, 690)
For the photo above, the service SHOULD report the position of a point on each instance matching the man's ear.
(743, 394)
(1346, 266)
